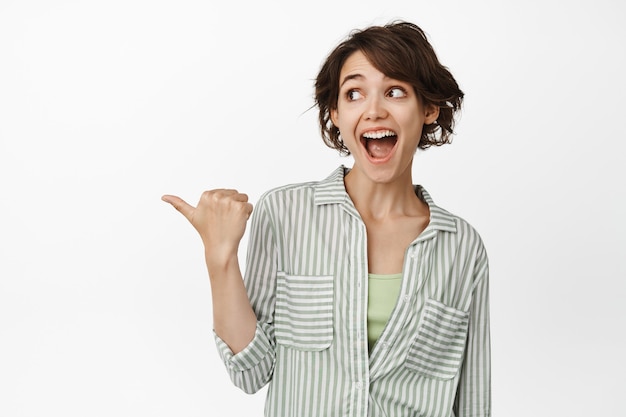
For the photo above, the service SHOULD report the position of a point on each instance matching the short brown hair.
(401, 51)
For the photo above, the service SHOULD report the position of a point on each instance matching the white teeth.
(379, 134)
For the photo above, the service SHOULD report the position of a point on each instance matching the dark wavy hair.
(401, 51)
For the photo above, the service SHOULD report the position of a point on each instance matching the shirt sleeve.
(253, 367)
(474, 391)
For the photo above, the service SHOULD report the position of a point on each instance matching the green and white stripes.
(438, 349)
(306, 276)
(304, 311)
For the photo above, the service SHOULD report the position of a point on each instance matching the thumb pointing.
(179, 204)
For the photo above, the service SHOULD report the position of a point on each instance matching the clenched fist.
(220, 218)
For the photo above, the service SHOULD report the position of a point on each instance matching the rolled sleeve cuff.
(249, 357)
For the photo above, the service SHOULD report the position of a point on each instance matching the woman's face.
(380, 120)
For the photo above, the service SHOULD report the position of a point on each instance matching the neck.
(382, 200)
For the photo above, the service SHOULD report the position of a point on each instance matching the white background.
(106, 105)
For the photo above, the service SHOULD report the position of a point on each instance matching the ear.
(333, 116)
(431, 112)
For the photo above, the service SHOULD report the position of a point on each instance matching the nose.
(375, 109)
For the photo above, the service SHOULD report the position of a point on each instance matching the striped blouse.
(307, 279)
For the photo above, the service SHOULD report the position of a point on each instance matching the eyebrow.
(356, 76)
(350, 77)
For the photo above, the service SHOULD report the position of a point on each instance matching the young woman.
(361, 296)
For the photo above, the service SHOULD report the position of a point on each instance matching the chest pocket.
(304, 311)
(438, 349)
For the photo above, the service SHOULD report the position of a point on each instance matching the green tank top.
(382, 295)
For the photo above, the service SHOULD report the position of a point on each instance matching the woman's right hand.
(220, 218)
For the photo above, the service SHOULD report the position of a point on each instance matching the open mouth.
(379, 143)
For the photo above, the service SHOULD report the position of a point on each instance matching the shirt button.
(359, 385)
(407, 298)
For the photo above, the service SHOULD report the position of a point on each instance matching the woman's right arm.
(245, 339)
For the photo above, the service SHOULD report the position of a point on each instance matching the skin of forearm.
(234, 320)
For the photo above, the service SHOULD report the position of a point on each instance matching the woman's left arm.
(474, 391)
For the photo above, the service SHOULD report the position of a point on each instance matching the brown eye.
(397, 92)
(353, 95)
